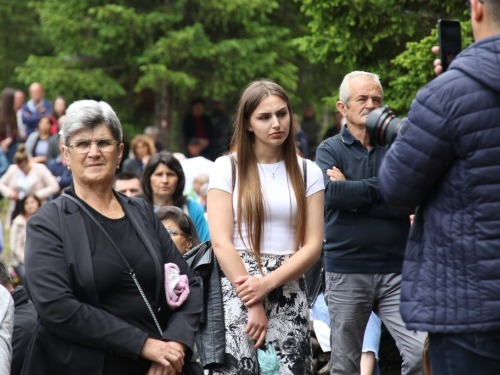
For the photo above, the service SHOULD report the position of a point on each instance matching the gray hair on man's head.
(5, 278)
(345, 90)
(86, 114)
(151, 130)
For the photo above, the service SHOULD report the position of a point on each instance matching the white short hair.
(345, 90)
(85, 114)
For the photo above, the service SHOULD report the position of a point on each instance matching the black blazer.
(73, 333)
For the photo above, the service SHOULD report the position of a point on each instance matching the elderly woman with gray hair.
(95, 268)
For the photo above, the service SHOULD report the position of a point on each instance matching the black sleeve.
(345, 195)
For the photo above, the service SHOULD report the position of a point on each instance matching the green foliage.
(20, 35)
(365, 34)
(392, 38)
(413, 68)
(117, 50)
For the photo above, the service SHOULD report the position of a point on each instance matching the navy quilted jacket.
(448, 164)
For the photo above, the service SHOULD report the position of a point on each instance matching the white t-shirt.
(280, 205)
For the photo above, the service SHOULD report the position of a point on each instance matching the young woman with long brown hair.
(266, 230)
(8, 123)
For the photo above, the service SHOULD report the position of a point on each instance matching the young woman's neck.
(162, 200)
(268, 155)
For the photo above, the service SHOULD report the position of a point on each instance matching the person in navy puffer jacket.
(448, 164)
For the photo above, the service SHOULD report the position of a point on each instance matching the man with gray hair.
(365, 238)
(152, 133)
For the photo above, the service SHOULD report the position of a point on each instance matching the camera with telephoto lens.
(383, 126)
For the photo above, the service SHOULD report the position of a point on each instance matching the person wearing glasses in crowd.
(180, 227)
(93, 317)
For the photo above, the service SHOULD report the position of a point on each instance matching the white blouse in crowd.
(279, 198)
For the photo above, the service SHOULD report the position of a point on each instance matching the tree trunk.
(163, 114)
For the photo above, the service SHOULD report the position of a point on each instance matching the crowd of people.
(98, 235)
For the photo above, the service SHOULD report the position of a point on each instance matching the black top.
(117, 291)
(363, 234)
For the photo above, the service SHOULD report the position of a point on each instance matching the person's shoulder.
(40, 167)
(193, 205)
(19, 220)
(331, 142)
(6, 298)
(224, 162)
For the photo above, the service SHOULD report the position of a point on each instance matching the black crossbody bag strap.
(127, 264)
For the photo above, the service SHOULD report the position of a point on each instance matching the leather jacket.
(211, 337)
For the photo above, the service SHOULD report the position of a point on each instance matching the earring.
(69, 167)
(118, 166)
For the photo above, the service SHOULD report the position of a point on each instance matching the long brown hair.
(250, 199)
(8, 116)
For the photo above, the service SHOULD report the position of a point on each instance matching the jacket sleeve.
(17, 241)
(30, 143)
(51, 283)
(6, 325)
(183, 322)
(4, 163)
(5, 181)
(30, 119)
(344, 195)
(418, 158)
(51, 186)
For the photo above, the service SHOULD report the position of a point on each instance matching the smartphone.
(450, 41)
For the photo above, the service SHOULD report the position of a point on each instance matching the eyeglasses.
(176, 232)
(103, 145)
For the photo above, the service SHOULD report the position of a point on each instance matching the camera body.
(383, 126)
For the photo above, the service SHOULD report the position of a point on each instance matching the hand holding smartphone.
(450, 41)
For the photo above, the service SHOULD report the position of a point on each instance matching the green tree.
(372, 34)
(124, 50)
(20, 35)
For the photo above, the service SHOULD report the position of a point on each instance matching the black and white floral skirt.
(288, 323)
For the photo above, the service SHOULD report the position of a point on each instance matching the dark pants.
(467, 353)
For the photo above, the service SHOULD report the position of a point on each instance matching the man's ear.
(341, 107)
(477, 10)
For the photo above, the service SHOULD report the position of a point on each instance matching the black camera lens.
(383, 126)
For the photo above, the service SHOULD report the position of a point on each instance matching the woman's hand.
(251, 289)
(157, 369)
(5, 144)
(257, 324)
(14, 195)
(168, 354)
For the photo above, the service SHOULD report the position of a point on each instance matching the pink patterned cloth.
(176, 286)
